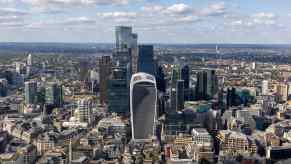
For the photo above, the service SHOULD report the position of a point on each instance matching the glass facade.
(118, 101)
(146, 59)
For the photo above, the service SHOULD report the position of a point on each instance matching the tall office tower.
(206, 86)
(126, 50)
(54, 94)
(29, 61)
(3, 87)
(146, 59)
(83, 69)
(160, 77)
(201, 85)
(265, 87)
(118, 92)
(175, 76)
(134, 54)
(180, 95)
(121, 57)
(185, 75)
(123, 36)
(212, 83)
(30, 88)
(85, 109)
(104, 73)
(143, 106)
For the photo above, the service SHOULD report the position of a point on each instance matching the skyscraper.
(104, 73)
(175, 76)
(160, 77)
(121, 57)
(126, 50)
(29, 61)
(206, 86)
(30, 88)
(123, 36)
(54, 94)
(3, 87)
(146, 59)
(143, 106)
(134, 53)
(118, 92)
(211, 83)
(180, 95)
(185, 75)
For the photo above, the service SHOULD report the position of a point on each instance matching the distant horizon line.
(154, 43)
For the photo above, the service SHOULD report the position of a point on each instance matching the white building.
(84, 111)
(201, 137)
(265, 87)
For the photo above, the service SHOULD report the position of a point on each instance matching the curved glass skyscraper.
(143, 106)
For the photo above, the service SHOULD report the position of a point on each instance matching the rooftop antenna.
(217, 55)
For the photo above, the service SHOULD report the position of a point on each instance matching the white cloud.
(5, 19)
(236, 23)
(117, 15)
(264, 18)
(75, 2)
(153, 8)
(263, 15)
(178, 9)
(69, 22)
(214, 9)
(12, 11)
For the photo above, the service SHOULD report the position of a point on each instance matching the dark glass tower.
(104, 73)
(185, 75)
(206, 86)
(146, 59)
(118, 92)
(160, 77)
(180, 95)
(54, 94)
(174, 79)
(30, 90)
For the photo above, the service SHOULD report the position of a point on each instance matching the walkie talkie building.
(143, 106)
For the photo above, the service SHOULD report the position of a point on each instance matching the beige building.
(236, 143)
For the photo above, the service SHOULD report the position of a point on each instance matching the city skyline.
(171, 21)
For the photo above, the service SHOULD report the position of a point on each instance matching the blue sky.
(155, 21)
